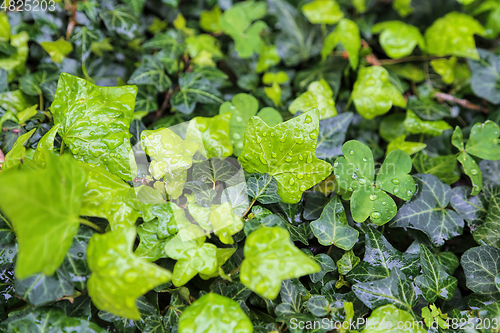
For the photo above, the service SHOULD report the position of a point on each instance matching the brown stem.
(462, 102)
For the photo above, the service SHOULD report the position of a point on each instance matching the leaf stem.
(407, 59)
(41, 101)
(91, 224)
(61, 151)
(249, 207)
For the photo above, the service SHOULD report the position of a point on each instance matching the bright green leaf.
(347, 34)
(95, 122)
(211, 134)
(318, 95)
(414, 125)
(271, 257)
(398, 39)
(291, 156)
(44, 231)
(214, 313)
(118, 277)
(57, 50)
(373, 94)
(322, 11)
(453, 34)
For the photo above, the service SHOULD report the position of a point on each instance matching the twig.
(462, 102)
(372, 58)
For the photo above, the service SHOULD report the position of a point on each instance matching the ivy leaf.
(57, 50)
(434, 282)
(327, 265)
(444, 167)
(45, 231)
(381, 258)
(414, 125)
(298, 40)
(332, 227)
(151, 72)
(445, 68)
(355, 172)
(95, 122)
(389, 315)
(286, 152)
(216, 170)
(318, 95)
(50, 320)
(171, 157)
(347, 34)
(193, 257)
(211, 134)
(198, 86)
(268, 58)
(210, 19)
(237, 23)
(215, 313)
(472, 209)
(331, 135)
(487, 232)
(271, 257)
(427, 211)
(118, 277)
(485, 76)
(16, 155)
(428, 109)
(122, 21)
(322, 11)
(395, 290)
(242, 107)
(453, 34)
(263, 188)
(347, 262)
(398, 39)
(40, 289)
(481, 265)
(374, 94)
(105, 196)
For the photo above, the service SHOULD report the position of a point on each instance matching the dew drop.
(301, 157)
(79, 254)
(335, 164)
(236, 136)
(313, 135)
(384, 203)
(288, 159)
(373, 197)
(308, 120)
(239, 119)
(351, 152)
(473, 171)
(409, 193)
(272, 133)
(396, 190)
(364, 159)
(362, 181)
(259, 140)
(290, 153)
(395, 181)
(264, 133)
(300, 175)
(376, 215)
(309, 158)
(350, 189)
(302, 188)
(273, 154)
(262, 159)
(292, 181)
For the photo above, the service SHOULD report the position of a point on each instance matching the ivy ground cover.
(250, 166)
